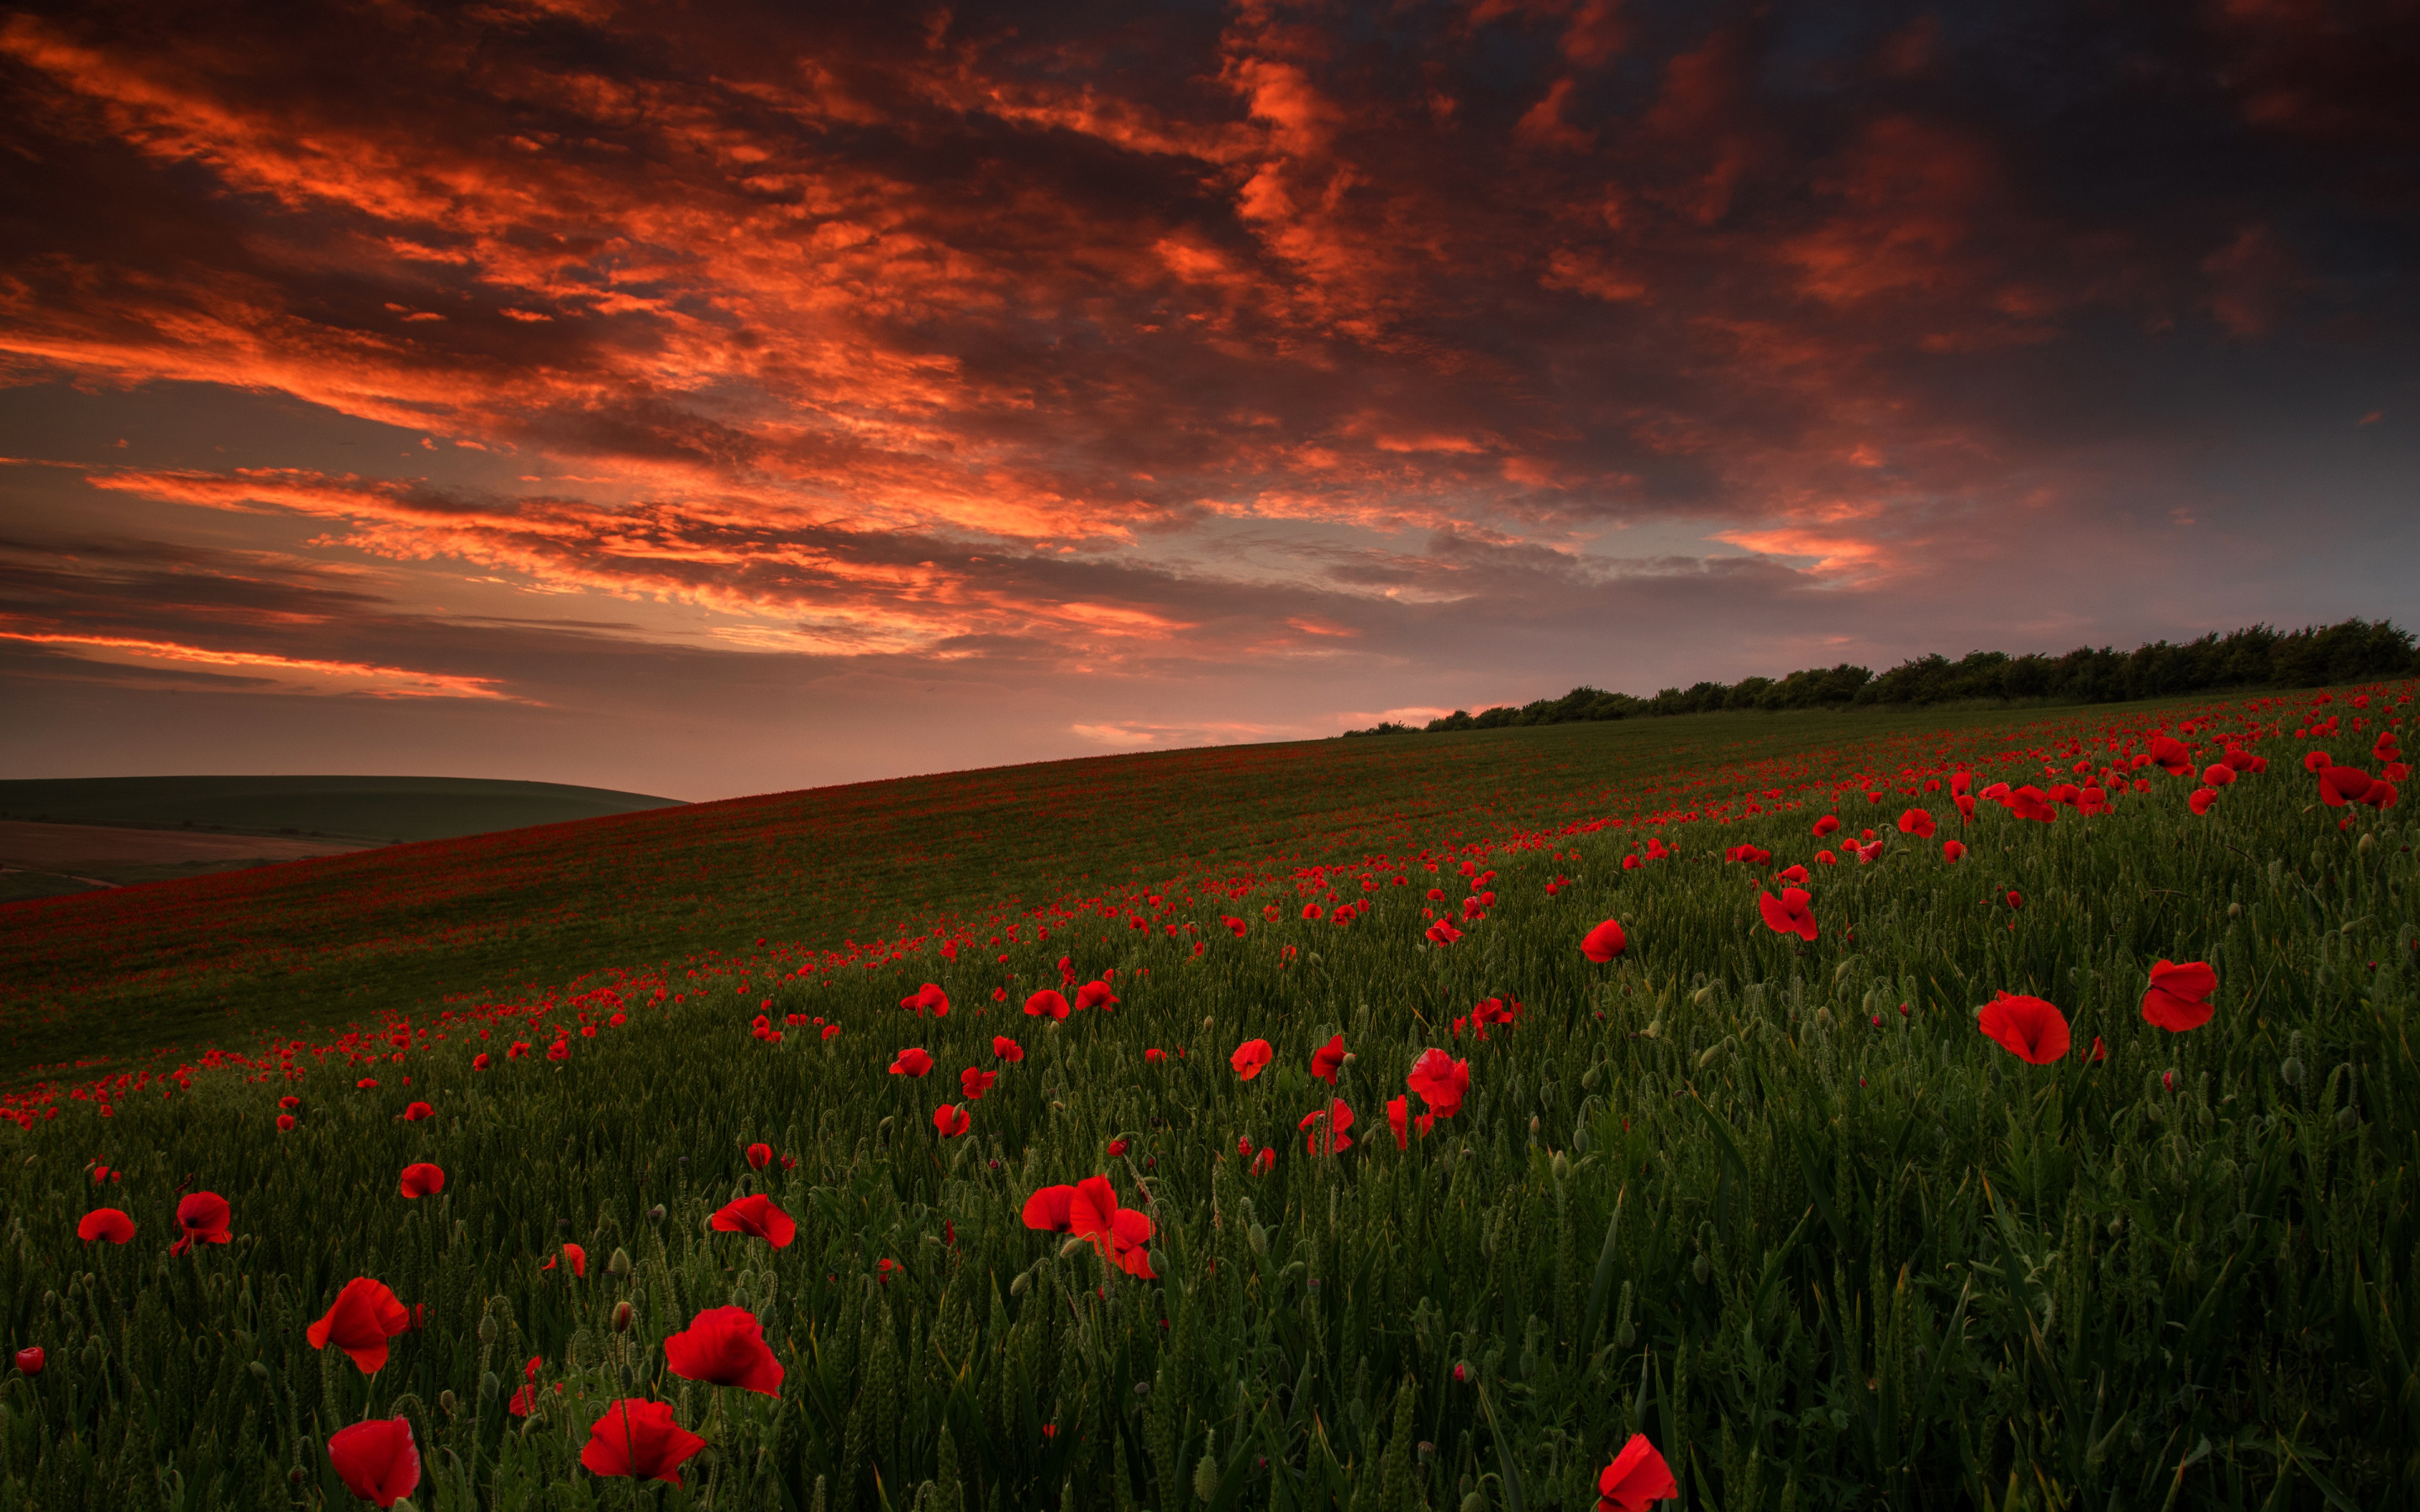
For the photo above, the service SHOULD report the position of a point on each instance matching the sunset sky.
(707, 399)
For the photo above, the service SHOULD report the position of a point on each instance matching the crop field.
(1999, 1110)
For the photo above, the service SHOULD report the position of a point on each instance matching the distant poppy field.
(1995, 1111)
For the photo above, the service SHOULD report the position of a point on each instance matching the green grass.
(353, 807)
(1698, 1193)
(315, 944)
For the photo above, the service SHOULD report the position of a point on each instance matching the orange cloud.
(301, 673)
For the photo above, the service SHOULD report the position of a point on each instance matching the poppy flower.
(975, 1083)
(2341, 785)
(1637, 1480)
(929, 996)
(724, 1347)
(376, 1460)
(755, 1215)
(1234, 926)
(2027, 1028)
(2316, 760)
(1264, 1161)
(1327, 1059)
(289, 1103)
(363, 1318)
(578, 1258)
(1788, 914)
(2099, 1051)
(1329, 1137)
(1828, 858)
(105, 1223)
(1398, 1117)
(526, 1398)
(417, 1112)
(1916, 821)
(1095, 994)
(1251, 1057)
(30, 1359)
(1154, 1056)
(638, 1439)
(760, 1156)
(1829, 823)
(2177, 999)
(285, 1123)
(1442, 933)
(912, 1061)
(1604, 942)
(2171, 756)
(1089, 1209)
(1793, 873)
(2016, 901)
(202, 1218)
(952, 1120)
(1441, 1081)
(2217, 776)
(1047, 1004)
(422, 1180)
(1007, 1049)
(1953, 851)
(832, 1031)
(2201, 800)
(1117, 1148)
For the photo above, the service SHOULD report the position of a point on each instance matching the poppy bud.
(259, 1372)
(656, 1212)
(1017, 1287)
(620, 1264)
(1427, 1451)
(487, 1330)
(2234, 910)
(29, 1359)
(1206, 1478)
(622, 1316)
(294, 1476)
(445, 1400)
(1461, 1371)
(92, 1356)
(488, 1385)
(1260, 1237)
(1142, 1388)
(1703, 1269)
(2116, 1224)
(1475, 1502)
(2291, 1071)
(1562, 1164)
(2347, 1118)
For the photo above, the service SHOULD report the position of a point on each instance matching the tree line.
(2355, 650)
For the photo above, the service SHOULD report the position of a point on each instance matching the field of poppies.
(2020, 1114)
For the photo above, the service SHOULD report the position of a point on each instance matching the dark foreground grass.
(1776, 1204)
(313, 946)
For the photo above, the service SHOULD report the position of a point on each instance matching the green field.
(312, 946)
(351, 807)
(1773, 1203)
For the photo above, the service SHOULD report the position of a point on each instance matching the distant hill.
(345, 808)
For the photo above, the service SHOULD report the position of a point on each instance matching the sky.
(711, 400)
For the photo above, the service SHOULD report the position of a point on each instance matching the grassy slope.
(1775, 1204)
(341, 940)
(366, 807)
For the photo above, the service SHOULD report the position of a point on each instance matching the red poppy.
(2177, 999)
(1399, 1117)
(2341, 785)
(912, 1061)
(2099, 1051)
(1264, 1161)
(1007, 1049)
(2202, 800)
(1095, 994)
(2171, 756)
(1828, 858)
(2027, 1028)
(724, 1347)
(1154, 1056)
(1234, 926)
(1251, 1057)
(755, 1214)
(1441, 1081)
(422, 1180)
(1326, 1126)
(30, 1358)
(2316, 760)
(202, 1217)
(1604, 942)
(285, 1123)
(832, 1031)
(363, 1318)
(526, 1398)
(105, 1223)
(1953, 851)
(1788, 914)
(1089, 1209)
(1637, 1480)
(289, 1103)
(638, 1439)
(1916, 821)
(1047, 1004)
(952, 1120)
(376, 1460)
(928, 996)
(578, 1258)
(1327, 1059)
(1829, 823)
(973, 1083)
(1442, 933)
(1117, 1148)
(417, 1112)
(2016, 901)
(2218, 776)
(1793, 873)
